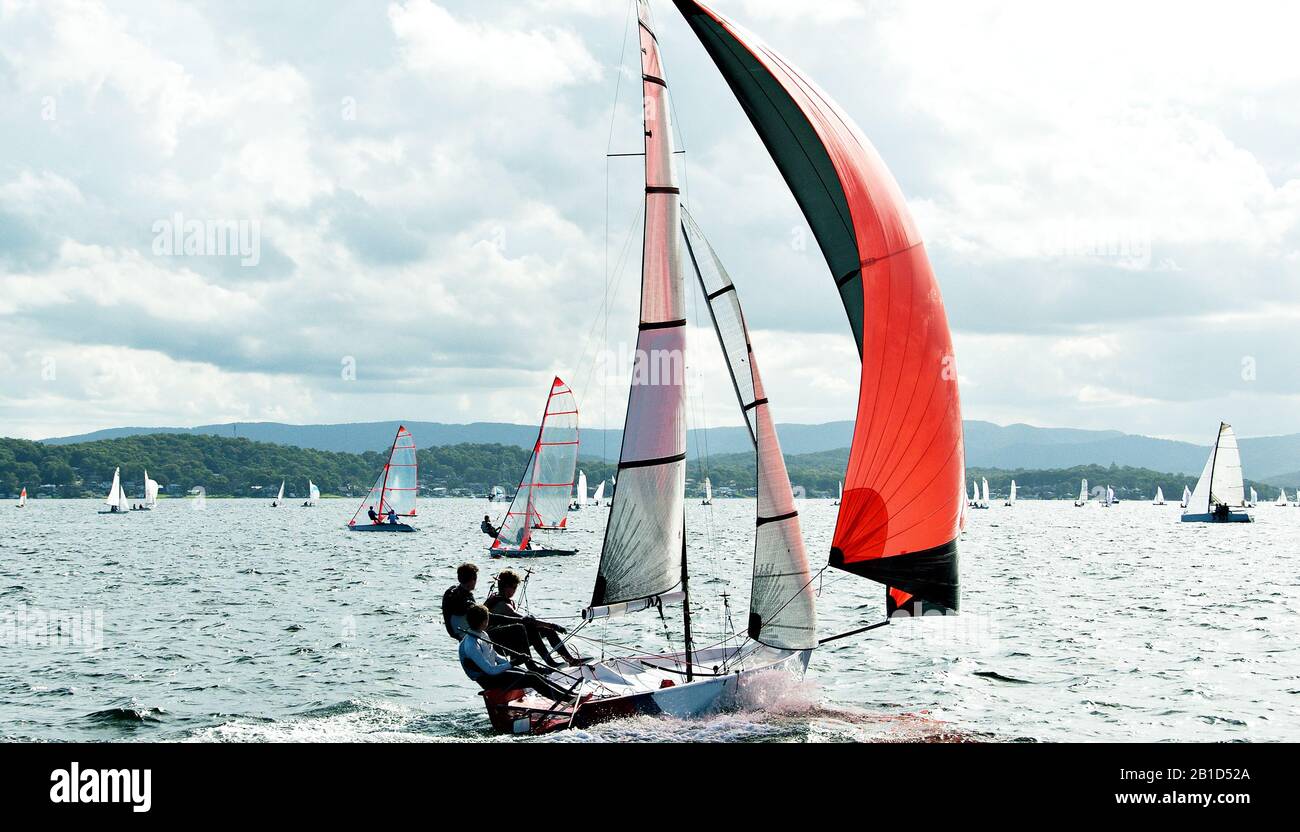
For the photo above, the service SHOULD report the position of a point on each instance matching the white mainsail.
(984, 499)
(116, 499)
(150, 491)
(840, 498)
(782, 609)
(599, 496)
(1011, 498)
(1221, 482)
(580, 496)
(1281, 498)
(641, 558)
(1160, 496)
(1083, 494)
(1110, 496)
(1187, 496)
(22, 499)
(313, 493)
(279, 499)
(1254, 497)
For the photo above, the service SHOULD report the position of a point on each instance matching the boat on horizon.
(22, 499)
(116, 501)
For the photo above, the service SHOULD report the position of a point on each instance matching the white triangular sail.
(1254, 497)
(984, 498)
(313, 493)
(782, 609)
(279, 498)
(1187, 497)
(1110, 496)
(22, 498)
(116, 496)
(580, 496)
(1281, 498)
(150, 491)
(1011, 498)
(1083, 493)
(398, 484)
(1160, 496)
(645, 538)
(599, 496)
(1221, 482)
(839, 499)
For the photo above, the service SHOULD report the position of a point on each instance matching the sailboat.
(1281, 498)
(1187, 496)
(1254, 499)
(496, 494)
(708, 493)
(840, 498)
(1108, 499)
(580, 495)
(898, 524)
(116, 499)
(150, 495)
(279, 499)
(984, 497)
(544, 489)
(313, 495)
(1082, 499)
(1011, 498)
(1160, 497)
(394, 492)
(22, 498)
(1221, 488)
(599, 497)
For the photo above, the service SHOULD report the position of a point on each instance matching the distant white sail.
(22, 499)
(708, 492)
(1187, 496)
(984, 500)
(313, 493)
(1221, 487)
(1254, 498)
(279, 500)
(600, 493)
(840, 498)
(1110, 496)
(1160, 496)
(1281, 498)
(150, 491)
(1011, 499)
(116, 499)
(1083, 494)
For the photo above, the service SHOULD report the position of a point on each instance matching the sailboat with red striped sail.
(542, 499)
(904, 488)
(394, 494)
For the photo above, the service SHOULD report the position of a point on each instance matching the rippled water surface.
(245, 623)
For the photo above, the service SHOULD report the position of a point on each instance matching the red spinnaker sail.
(904, 486)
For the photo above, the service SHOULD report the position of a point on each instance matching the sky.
(431, 228)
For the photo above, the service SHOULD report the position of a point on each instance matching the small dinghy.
(598, 499)
(150, 495)
(1160, 497)
(116, 502)
(22, 499)
(394, 492)
(840, 498)
(1187, 496)
(313, 495)
(279, 498)
(1281, 499)
(1083, 495)
(579, 501)
(1219, 496)
(1011, 498)
(543, 495)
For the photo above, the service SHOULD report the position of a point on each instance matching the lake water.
(240, 622)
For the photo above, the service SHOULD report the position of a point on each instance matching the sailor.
(487, 527)
(392, 516)
(457, 600)
(374, 518)
(482, 663)
(524, 630)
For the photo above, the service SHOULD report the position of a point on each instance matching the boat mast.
(686, 605)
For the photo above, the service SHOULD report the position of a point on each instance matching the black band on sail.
(930, 575)
(856, 273)
(755, 403)
(646, 463)
(662, 189)
(763, 521)
(663, 324)
(730, 287)
(598, 595)
(654, 80)
(755, 625)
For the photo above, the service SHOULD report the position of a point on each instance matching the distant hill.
(987, 445)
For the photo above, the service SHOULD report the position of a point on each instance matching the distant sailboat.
(1187, 496)
(1221, 488)
(116, 499)
(394, 493)
(599, 497)
(1254, 499)
(496, 494)
(984, 498)
(974, 501)
(1083, 494)
(313, 495)
(1160, 497)
(1281, 498)
(708, 493)
(1011, 498)
(547, 481)
(22, 499)
(150, 495)
(580, 495)
(279, 500)
(1110, 497)
(840, 498)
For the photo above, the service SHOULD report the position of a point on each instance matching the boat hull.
(1233, 517)
(514, 712)
(532, 553)
(381, 527)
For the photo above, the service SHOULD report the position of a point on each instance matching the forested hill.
(224, 466)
